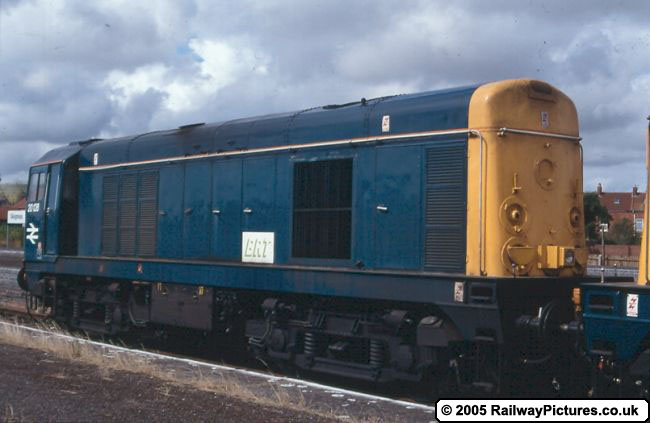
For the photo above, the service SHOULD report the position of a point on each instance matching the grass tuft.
(108, 361)
(10, 416)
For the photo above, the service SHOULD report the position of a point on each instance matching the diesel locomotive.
(434, 237)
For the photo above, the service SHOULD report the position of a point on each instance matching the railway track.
(188, 346)
(348, 402)
(181, 349)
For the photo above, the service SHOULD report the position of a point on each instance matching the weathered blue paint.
(202, 202)
(398, 186)
(90, 214)
(60, 153)
(170, 212)
(387, 286)
(625, 334)
(226, 209)
(434, 110)
(196, 210)
(258, 197)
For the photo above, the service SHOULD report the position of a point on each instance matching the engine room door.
(397, 208)
(196, 210)
(226, 209)
(170, 212)
(259, 194)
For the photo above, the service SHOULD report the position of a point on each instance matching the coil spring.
(75, 309)
(376, 353)
(311, 344)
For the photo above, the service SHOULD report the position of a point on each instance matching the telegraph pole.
(603, 230)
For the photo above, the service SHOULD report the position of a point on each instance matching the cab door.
(43, 210)
(52, 209)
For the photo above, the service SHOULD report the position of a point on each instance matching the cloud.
(74, 69)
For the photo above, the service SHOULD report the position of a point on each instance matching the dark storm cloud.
(77, 69)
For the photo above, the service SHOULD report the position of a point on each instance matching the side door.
(258, 209)
(259, 194)
(53, 209)
(226, 209)
(35, 214)
(397, 208)
(170, 212)
(197, 210)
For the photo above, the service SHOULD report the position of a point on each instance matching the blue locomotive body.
(333, 238)
(172, 206)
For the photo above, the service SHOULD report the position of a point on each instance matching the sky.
(76, 69)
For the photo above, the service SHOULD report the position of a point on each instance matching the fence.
(11, 236)
(622, 262)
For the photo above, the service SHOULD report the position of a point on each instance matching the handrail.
(291, 147)
(647, 202)
(481, 236)
(502, 132)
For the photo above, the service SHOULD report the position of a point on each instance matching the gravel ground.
(10, 262)
(39, 387)
(11, 258)
(9, 290)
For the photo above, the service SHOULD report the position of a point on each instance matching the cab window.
(33, 188)
(42, 179)
(37, 187)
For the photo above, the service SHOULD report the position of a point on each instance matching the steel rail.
(211, 366)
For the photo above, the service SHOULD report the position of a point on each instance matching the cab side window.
(33, 188)
(42, 179)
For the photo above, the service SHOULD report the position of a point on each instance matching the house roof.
(20, 205)
(622, 202)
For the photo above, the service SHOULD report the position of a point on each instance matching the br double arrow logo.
(32, 233)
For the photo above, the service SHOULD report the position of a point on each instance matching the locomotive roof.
(427, 111)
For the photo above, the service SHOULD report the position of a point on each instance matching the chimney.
(599, 189)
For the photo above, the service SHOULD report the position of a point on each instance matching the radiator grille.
(109, 215)
(322, 209)
(148, 217)
(130, 214)
(446, 206)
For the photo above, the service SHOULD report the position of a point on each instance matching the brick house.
(4, 209)
(624, 205)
